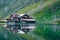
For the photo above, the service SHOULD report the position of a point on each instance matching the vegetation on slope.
(45, 15)
(12, 6)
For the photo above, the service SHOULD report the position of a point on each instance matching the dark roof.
(14, 15)
(26, 16)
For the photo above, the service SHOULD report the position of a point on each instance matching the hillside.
(12, 6)
(46, 13)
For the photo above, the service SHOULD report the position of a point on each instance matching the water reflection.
(53, 27)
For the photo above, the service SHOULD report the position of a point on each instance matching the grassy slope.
(26, 9)
(39, 15)
(42, 5)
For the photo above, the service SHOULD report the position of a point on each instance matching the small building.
(22, 22)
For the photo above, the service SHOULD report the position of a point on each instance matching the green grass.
(26, 9)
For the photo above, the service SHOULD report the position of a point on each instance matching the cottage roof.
(26, 16)
(22, 14)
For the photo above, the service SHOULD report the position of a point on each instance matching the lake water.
(53, 27)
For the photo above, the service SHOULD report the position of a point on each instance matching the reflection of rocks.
(22, 22)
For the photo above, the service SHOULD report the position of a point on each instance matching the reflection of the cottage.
(22, 22)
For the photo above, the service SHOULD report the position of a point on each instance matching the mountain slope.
(12, 6)
(44, 13)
